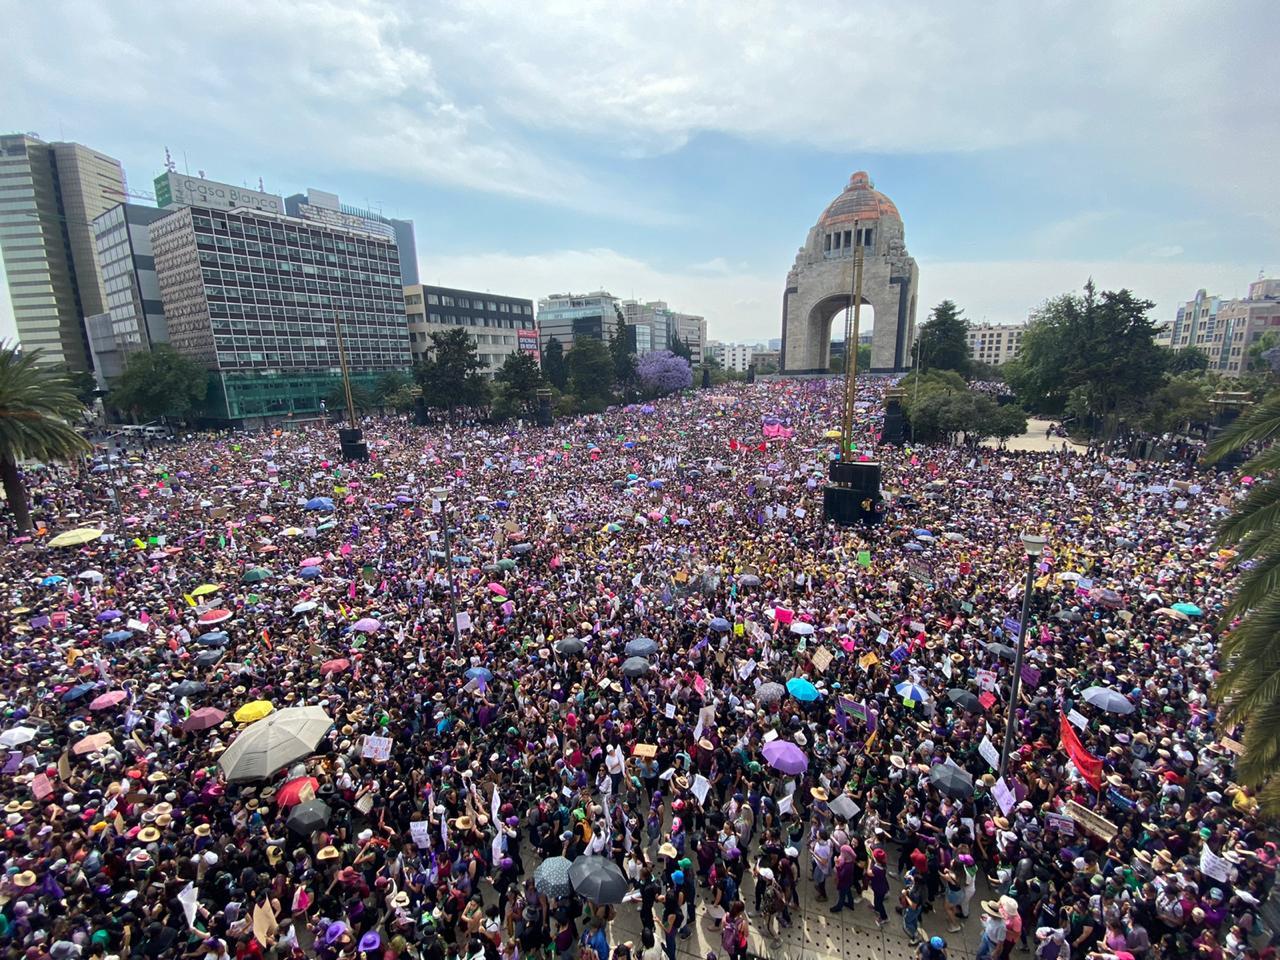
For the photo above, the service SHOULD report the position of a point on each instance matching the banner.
(1090, 767)
(1091, 821)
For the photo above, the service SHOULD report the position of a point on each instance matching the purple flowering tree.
(662, 372)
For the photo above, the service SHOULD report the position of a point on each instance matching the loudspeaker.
(706, 377)
(862, 476)
(350, 435)
(895, 420)
(847, 506)
(544, 408)
(352, 443)
(751, 374)
(420, 418)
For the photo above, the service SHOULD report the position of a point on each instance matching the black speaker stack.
(895, 418)
(420, 418)
(853, 495)
(353, 445)
(544, 408)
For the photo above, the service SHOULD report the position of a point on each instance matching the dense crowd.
(666, 670)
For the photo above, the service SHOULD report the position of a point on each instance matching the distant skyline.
(682, 151)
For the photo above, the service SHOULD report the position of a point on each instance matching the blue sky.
(681, 151)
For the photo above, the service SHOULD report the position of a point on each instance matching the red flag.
(1090, 767)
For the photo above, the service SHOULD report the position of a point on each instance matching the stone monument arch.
(820, 283)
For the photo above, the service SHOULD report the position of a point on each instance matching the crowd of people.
(618, 666)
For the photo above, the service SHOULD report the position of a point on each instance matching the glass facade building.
(259, 298)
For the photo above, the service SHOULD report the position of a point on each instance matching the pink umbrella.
(215, 616)
(107, 700)
(366, 625)
(289, 794)
(311, 562)
(203, 719)
(498, 588)
(335, 666)
(94, 741)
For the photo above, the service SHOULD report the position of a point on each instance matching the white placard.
(1004, 796)
(701, 787)
(376, 748)
(844, 807)
(1212, 865)
(989, 753)
(420, 831)
(785, 804)
(1078, 719)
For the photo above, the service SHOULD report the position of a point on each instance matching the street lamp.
(1033, 545)
(441, 496)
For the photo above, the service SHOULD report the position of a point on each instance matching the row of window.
(469, 304)
(500, 323)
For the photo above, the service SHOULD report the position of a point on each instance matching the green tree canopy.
(942, 342)
(680, 348)
(622, 350)
(521, 379)
(590, 369)
(1187, 360)
(38, 406)
(553, 364)
(389, 386)
(160, 382)
(940, 407)
(450, 376)
(361, 398)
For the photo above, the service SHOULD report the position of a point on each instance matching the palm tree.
(1248, 688)
(37, 407)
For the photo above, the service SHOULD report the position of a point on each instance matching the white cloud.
(747, 306)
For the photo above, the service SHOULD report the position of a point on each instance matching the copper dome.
(860, 201)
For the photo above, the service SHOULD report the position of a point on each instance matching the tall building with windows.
(1196, 322)
(568, 317)
(49, 195)
(498, 325)
(1238, 325)
(654, 326)
(134, 316)
(259, 299)
(324, 207)
(994, 343)
(731, 356)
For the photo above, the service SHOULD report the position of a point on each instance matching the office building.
(1196, 322)
(134, 317)
(994, 343)
(653, 325)
(692, 331)
(258, 298)
(178, 190)
(567, 317)
(323, 207)
(1226, 333)
(731, 356)
(498, 325)
(49, 195)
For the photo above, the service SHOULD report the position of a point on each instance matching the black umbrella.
(749, 580)
(952, 781)
(964, 700)
(207, 657)
(552, 877)
(308, 817)
(1002, 650)
(189, 688)
(569, 647)
(641, 647)
(598, 879)
(635, 667)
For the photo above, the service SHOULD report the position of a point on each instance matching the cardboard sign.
(868, 660)
(1004, 796)
(986, 679)
(41, 786)
(1064, 825)
(989, 753)
(420, 832)
(1030, 676)
(1212, 865)
(986, 698)
(1095, 824)
(783, 616)
(844, 807)
(822, 659)
(1235, 746)
(376, 748)
(264, 923)
(1076, 717)
(645, 751)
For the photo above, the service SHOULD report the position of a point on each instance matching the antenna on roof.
(168, 161)
(260, 187)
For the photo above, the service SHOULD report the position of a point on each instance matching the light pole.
(1034, 547)
(441, 494)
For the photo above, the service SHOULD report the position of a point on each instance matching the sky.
(681, 151)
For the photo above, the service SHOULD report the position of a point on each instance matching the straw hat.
(148, 834)
(203, 830)
(24, 879)
(819, 794)
(462, 823)
(328, 853)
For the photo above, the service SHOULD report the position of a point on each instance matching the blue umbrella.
(802, 690)
(117, 636)
(682, 522)
(501, 504)
(76, 692)
(404, 498)
(101, 468)
(214, 638)
(721, 625)
(641, 647)
(922, 533)
(914, 547)
(319, 503)
(521, 548)
(52, 581)
(476, 673)
(309, 573)
(912, 691)
(1190, 609)
(655, 484)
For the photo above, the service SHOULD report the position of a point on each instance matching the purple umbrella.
(366, 625)
(785, 757)
(106, 615)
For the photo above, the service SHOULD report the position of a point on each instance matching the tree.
(622, 350)
(1181, 401)
(81, 382)
(38, 406)
(553, 364)
(1007, 421)
(450, 376)
(942, 342)
(361, 398)
(662, 372)
(680, 348)
(520, 379)
(590, 369)
(1187, 360)
(1098, 346)
(160, 382)
(389, 386)
(1247, 690)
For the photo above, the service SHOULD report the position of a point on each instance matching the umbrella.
(964, 700)
(107, 615)
(551, 879)
(1069, 576)
(802, 689)
(912, 691)
(641, 647)
(94, 741)
(107, 700)
(274, 742)
(635, 667)
(1002, 650)
(785, 757)
(214, 616)
(214, 638)
(770, 692)
(203, 719)
(93, 576)
(366, 625)
(569, 647)
(16, 736)
(506, 564)
(498, 588)
(306, 606)
(1190, 609)
(335, 666)
(52, 581)
(720, 625)
(206, 658)
(189, 688)
(254, 710)
(749, 580)
(598, 879)
(309, 573)
(205, 589)
(117, 636)
(476, 673)
(75, 538)
(289, 795)
(1112, 701)
(256, 575)
(1173, 614)
(319, 503)
(311, 562)
(953, 781)
(308, 817)
(76, 692)
(801, 629)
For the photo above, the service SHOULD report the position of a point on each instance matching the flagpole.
(1033, 546)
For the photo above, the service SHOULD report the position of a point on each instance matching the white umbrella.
(16, 736)
(274, 742)
(93, 575)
